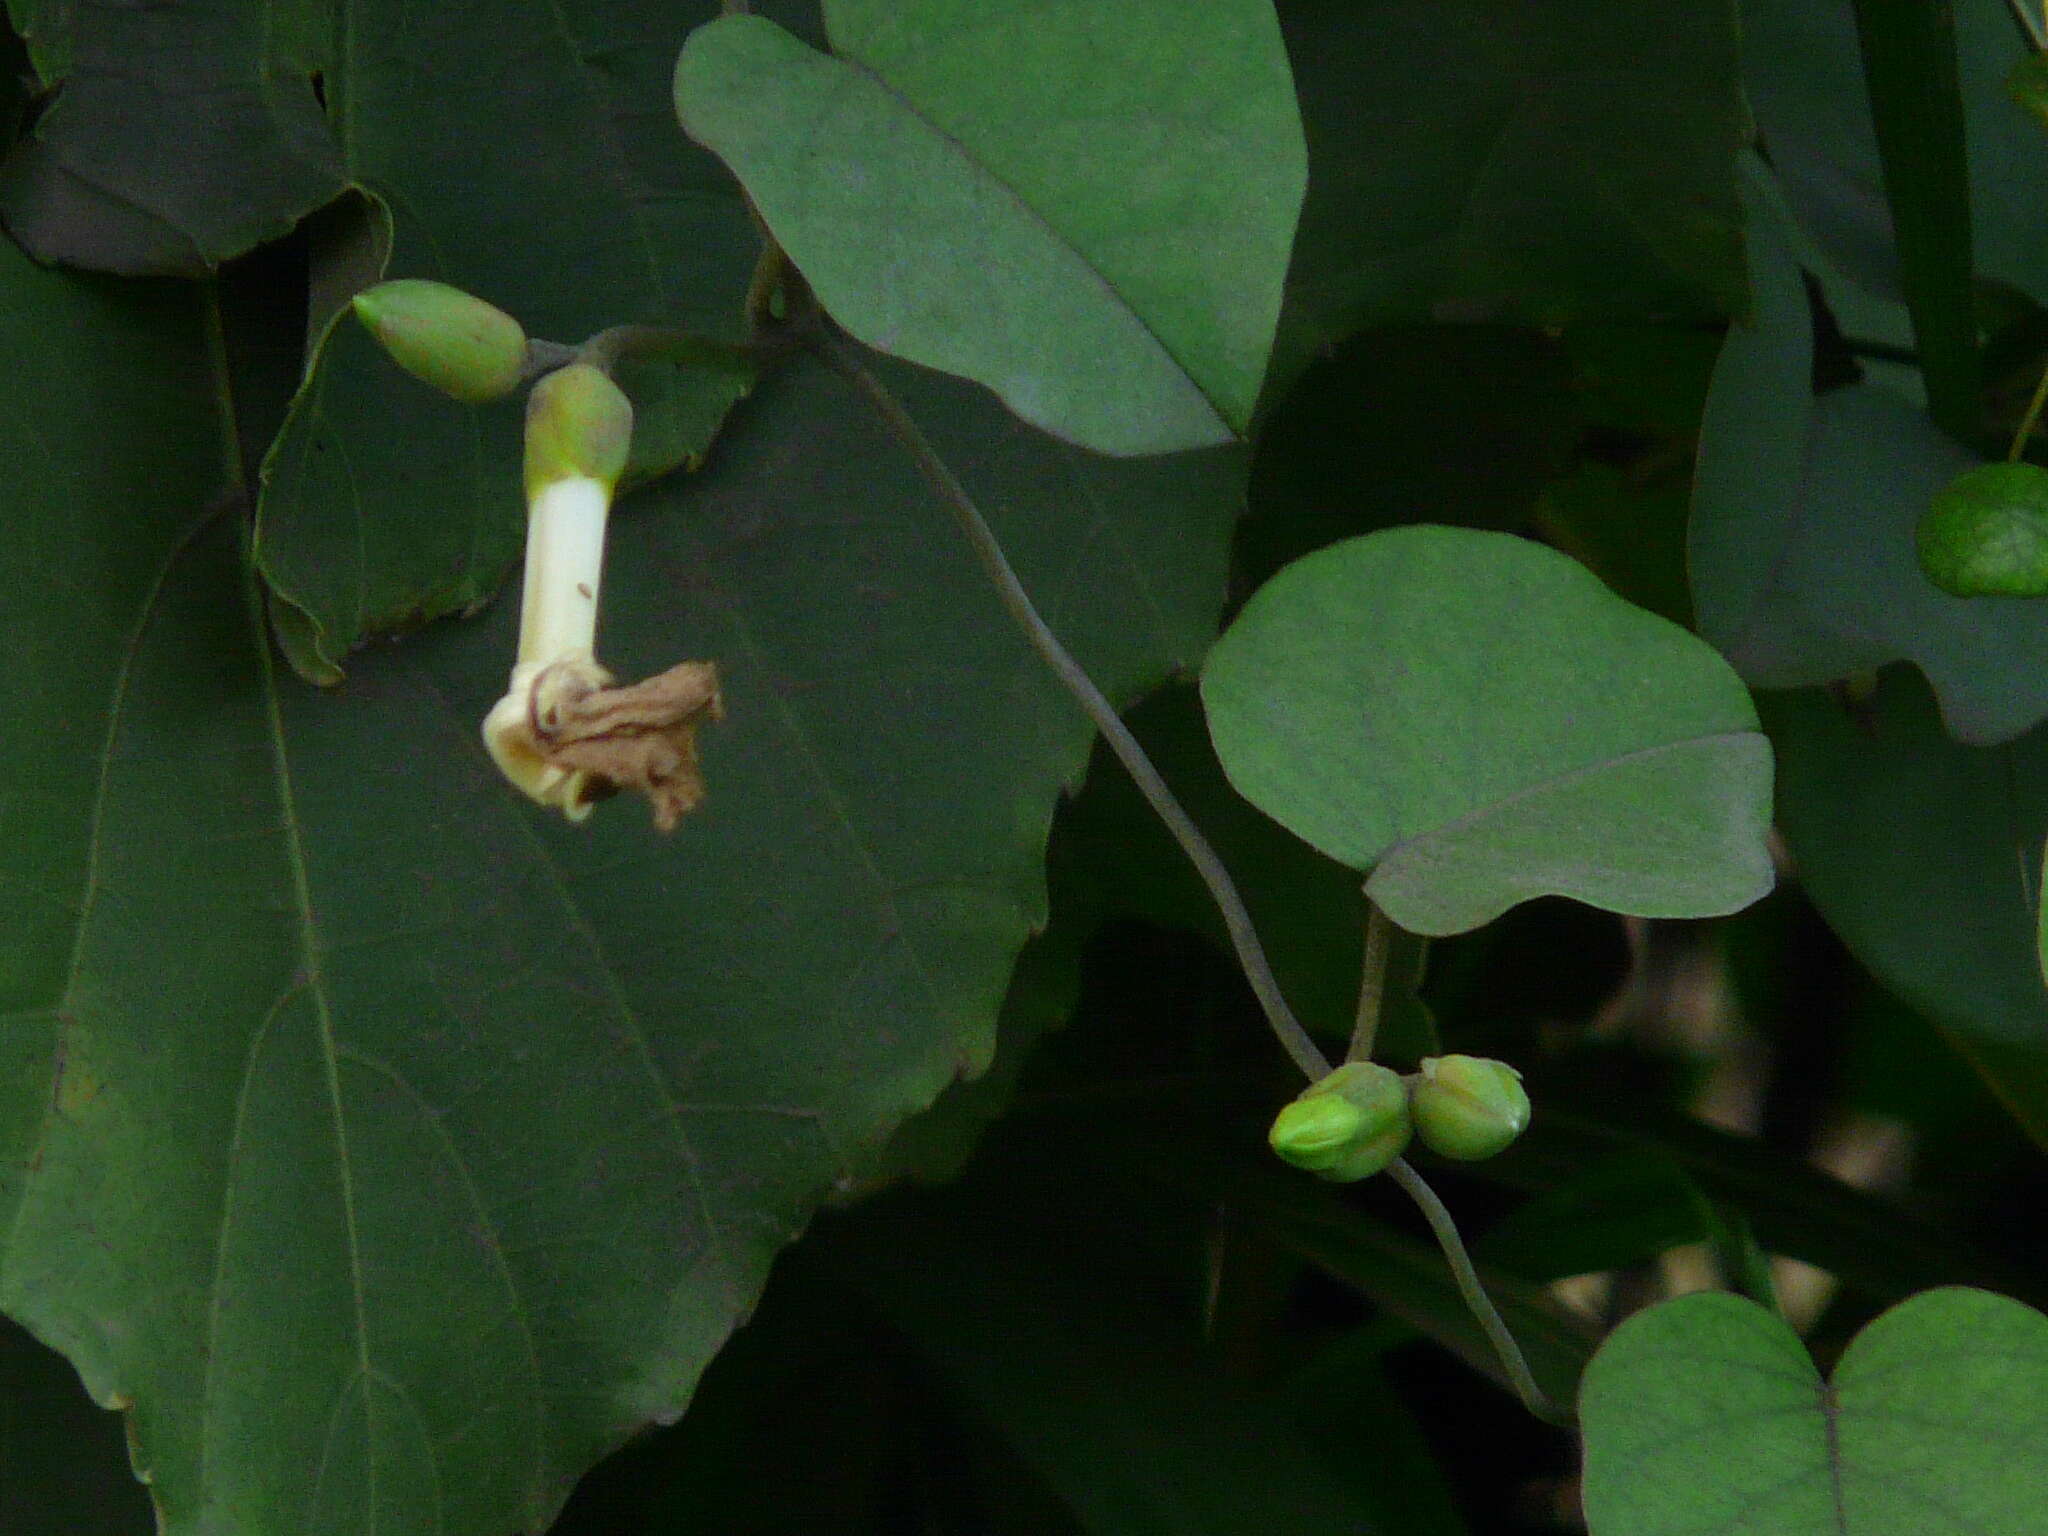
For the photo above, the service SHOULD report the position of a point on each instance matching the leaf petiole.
(672, 344)
(1372, 982)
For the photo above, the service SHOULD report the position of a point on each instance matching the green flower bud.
(445, 337)
(1347, 1126)
(579, 425)
(1986, 533)
(1468, 1107)
(1314, 1132)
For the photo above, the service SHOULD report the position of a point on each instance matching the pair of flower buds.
(1352, 1123)
(563, 734)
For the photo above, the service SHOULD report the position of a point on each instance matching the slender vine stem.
(672, 344)
(1372, 982)
(1017, 602)
(2026, 428)
(1473, 1289)
(1237, 920)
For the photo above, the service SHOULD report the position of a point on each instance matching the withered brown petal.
(642, 737)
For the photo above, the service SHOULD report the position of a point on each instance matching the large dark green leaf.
(1490, 159)
(89, 532)
(395, 1151)
(1921, 852)
(1478, 721)
(1088, 209)
(181, 135)
(1803, 565)
(1705, 1416)
(525, 152)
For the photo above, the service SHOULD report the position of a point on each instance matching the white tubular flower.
(562, 733)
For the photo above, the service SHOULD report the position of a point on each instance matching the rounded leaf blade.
(1477, 720)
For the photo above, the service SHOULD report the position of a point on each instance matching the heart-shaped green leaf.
(1477, 720)
(1087, 208)
(1704, 1417)
(1986, 534)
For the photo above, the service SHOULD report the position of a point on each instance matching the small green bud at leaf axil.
(1346, 1126)
(1468, 1107)
(445, 337)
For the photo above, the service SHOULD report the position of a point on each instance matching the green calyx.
(445, 337)
(1468, 1107)
(579, 424)
(1346, 1126)
(1986, 533)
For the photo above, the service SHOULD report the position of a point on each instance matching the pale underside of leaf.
(1478, 720)
(1671, 831)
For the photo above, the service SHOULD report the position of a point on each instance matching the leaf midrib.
(316, 988)
(982, 169)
